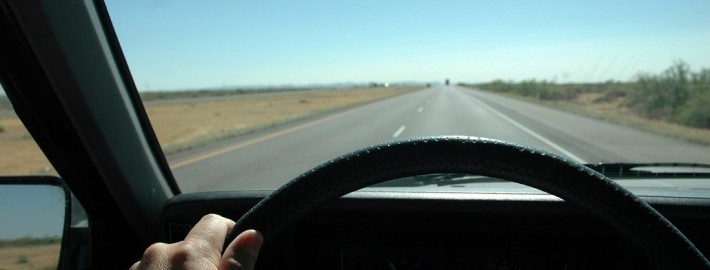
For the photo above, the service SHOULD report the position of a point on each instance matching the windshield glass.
(249, 94)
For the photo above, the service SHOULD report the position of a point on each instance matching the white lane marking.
(534, 134)
(399, 131)
(420, 110)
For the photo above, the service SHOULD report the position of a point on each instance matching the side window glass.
(20, 155)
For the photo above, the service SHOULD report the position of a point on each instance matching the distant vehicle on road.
(447, 81)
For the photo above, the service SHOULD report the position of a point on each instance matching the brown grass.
(191, 123)
(188, 124)
(20, 153)
(30, 257)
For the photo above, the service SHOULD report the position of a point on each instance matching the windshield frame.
(99, 141)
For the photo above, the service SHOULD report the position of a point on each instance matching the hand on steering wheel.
(202, 248)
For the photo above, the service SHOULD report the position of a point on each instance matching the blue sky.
(205, 44)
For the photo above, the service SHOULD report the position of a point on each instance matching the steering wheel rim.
(646, 229)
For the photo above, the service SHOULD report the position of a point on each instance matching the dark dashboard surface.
(420, 230)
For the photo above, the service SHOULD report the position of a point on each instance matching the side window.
(20, 155)
(31, 237)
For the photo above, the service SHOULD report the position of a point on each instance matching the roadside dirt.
(20, 154)
(41, 257)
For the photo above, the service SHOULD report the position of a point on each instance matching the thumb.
(242, 252)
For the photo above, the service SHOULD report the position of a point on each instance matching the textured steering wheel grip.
(649, 232)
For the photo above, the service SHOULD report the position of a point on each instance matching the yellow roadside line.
(261, 139)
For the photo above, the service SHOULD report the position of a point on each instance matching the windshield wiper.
(440, 179)
(462, 179)
(614, 171)
(652, 170)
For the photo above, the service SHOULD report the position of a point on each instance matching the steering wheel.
(636, 221)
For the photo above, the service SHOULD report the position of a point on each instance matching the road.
(270, 158)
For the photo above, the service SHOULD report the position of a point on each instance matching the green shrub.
(2, 129)
(677, 95)
(22, 259)
(543, 90)
(696, 112)
(660, 96)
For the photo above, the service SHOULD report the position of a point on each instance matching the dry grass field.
(20, 154)
(40, 257)
(184, 125)
(187, 123)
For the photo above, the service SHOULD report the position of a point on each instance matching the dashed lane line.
(398, 132)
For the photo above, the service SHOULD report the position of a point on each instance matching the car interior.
(66, 75)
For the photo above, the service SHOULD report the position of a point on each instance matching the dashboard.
(442, 230)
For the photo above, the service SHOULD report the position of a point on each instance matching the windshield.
(249, 94)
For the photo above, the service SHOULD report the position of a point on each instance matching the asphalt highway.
(268, 159)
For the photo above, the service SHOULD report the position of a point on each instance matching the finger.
(242, 252)
(209, 234)
(154, 256)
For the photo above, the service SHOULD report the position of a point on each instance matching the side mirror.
(34, 217)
